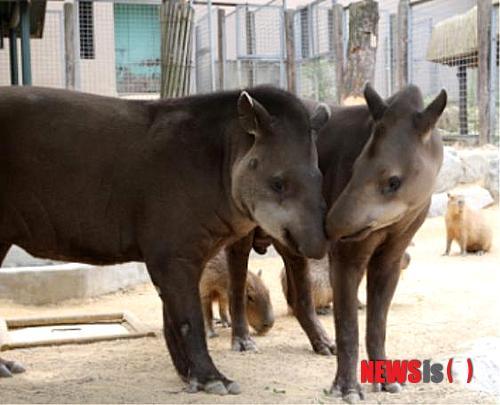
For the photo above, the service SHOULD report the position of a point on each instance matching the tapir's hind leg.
(7, 368)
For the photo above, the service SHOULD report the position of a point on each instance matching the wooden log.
(291, 68)
(69, 45)
(402, 44)
(176, 26)
(221, 45)
(484, 17)
(361, 48)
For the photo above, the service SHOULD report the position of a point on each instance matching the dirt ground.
(443, 305)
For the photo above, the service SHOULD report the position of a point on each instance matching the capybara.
(466, 226)
(214, 286)
(321, 290)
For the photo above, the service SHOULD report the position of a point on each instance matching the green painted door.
(137, 48)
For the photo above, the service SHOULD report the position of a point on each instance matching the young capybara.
(466, 226)
(214, 286)
(322, 293)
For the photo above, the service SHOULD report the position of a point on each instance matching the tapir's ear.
(320, 116)
(251, 113)
(425, 120)
(376, 104)
(259, 273)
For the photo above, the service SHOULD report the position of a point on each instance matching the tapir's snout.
(310, 242)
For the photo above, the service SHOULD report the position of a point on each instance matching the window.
(86, 23)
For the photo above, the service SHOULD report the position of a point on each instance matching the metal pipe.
(14, 66)
(25, 43)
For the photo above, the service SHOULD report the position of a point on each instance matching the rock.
(475, 165)
(492, 182)
(438, 204)
(451, 171)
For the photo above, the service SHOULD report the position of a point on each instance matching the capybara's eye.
(393, 185)
(250, 298)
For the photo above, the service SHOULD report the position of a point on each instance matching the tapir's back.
(62, 153)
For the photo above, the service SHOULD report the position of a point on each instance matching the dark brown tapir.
(379, 162)
(102, 180)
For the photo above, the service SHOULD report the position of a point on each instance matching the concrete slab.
(50, 284)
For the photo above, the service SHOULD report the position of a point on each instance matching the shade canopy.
(454, 40)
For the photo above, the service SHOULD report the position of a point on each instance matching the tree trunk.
(361, 48)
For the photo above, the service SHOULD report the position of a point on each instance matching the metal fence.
(116, 51)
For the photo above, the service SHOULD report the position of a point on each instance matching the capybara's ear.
(425, 120)
(252, 114)
(320, 117)
(376, 104)
(259, 273)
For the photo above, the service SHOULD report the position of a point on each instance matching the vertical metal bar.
(14, 64)
(212, 45)
(409, 48)
(221, 43)
(283, 78)
(77, 60)
(494, 74)
(25, 43)
(238, 45)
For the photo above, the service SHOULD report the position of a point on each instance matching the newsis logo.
(411, 371)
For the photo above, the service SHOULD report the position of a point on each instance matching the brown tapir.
(102, 180)
(379, 162)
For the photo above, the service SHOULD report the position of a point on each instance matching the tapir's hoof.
(234, 388)
(392, 388)
(352, 397)
(243, 344)
(7, 368)
(216, 388)
(325, 348)
(349, 395)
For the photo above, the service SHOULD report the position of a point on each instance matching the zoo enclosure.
(113, 47)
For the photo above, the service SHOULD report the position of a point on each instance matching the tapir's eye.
(278, 185)
(393, 185)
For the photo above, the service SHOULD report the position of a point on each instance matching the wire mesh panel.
(47, 53)
(495, 85)
(442, 54)
(313, 30)
(137, 47)
(204, 50)
(384, 65)
(260, 45)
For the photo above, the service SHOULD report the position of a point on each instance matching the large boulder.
(476, 197)
(451, 172)
(492, 182)
(475, 165)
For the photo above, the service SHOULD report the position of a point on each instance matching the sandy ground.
(442, 308)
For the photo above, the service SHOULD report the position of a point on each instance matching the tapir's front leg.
(178, 279)
(237, 261)
(299, 296)
(346, 272)
(382, 279)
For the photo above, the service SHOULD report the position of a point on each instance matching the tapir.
(379, 162)
(102, 180)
